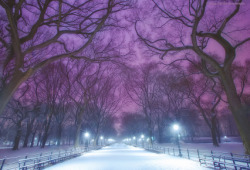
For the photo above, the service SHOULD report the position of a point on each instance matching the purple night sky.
(98, 65)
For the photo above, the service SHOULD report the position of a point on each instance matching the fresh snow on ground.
(234, 147)
(22, 152)
(11, 157)
(121, 156)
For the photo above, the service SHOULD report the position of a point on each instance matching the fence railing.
(212, 159)
(42, 160)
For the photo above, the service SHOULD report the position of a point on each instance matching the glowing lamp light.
(134, 137)
(142, 136)
(86, 135)
(176, 127)
(111, 140)
(101, 137)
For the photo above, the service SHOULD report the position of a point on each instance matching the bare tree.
(196, 25)
(49, 85)
(104, 102)
(79, 83)
(30, 123)
(32, 98)
(43, 34)
(201, 92)
(20, 112)
(173, 100)
(142, 89)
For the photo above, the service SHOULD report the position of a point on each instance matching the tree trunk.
(69, 140)
(18, 135)
(46, 131)
(212, 125)
(150, 136)
(39, 139)
(213, 131)
(230, 126)
(33, 139)
(8, 90)
(160, 130)
(96, 140)
(237, 108)
(218, 134)
(44, 140)
(160, 133)
(59, 134)
(28, 132)
(27, 135)
(77, 136)
(97, 133)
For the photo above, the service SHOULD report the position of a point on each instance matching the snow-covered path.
(120, 156)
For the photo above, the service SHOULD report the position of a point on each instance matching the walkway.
(123, 157)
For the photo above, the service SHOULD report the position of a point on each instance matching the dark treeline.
(170, 94)
(56, 76)
(210, 36)
(57, 106)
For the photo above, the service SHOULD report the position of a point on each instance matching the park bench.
(155, 149)
(222, 162)
(203, 161)
(237, 162)
(212, 160)
(45, 160)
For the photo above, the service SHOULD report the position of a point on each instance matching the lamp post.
(135, 141)
(101, 139)
(142, 138)
(86, 135)
(177, 129)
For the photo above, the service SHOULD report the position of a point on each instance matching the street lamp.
(86, 135)
(142, 137)
(135, 141)
(101, 139)
(176, 128)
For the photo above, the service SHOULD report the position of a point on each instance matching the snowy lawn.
(22, 152)
(121, 156)
(234, 147)
(12, 157)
